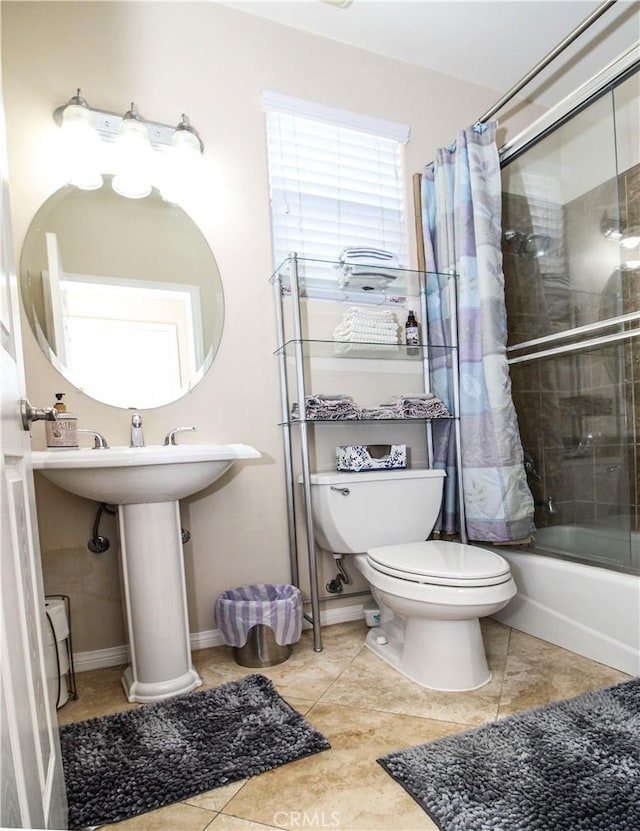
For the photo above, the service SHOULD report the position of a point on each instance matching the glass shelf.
(367, 421)
(378, 351)
(330, 279)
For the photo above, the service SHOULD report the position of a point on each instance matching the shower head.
(530, 246)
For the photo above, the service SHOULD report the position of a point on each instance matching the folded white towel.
(368, 326)
(359, 337)
(361, 320)
(367, 311)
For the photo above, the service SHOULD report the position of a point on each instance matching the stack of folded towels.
(367, 268)
(328, 408)
(321, 407)
(425, 405)
(367, 326)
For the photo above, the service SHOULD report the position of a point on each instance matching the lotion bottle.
(412, 336)
(62, 434)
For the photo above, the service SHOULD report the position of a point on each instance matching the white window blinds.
(333, 185)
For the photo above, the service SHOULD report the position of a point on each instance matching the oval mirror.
(123, 295)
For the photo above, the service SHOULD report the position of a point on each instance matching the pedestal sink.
(146, 484)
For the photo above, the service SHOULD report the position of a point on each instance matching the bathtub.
(589, 610)
(611, 545)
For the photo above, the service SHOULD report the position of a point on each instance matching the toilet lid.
(441, 563)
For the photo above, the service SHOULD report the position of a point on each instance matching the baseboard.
(118, 655)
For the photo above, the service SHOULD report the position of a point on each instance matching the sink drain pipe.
(98, 544)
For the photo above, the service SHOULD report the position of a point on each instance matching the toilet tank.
(353, 512)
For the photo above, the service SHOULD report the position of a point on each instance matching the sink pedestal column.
(156, 602)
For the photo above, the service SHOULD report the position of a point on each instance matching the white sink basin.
(146, 484)
(137, 475)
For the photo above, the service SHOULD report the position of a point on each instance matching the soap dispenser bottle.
(62, 434)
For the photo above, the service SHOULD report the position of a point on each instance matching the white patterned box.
(371, 457)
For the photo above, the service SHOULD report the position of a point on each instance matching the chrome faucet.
(170, 438)
(99, 441)
(137, 439)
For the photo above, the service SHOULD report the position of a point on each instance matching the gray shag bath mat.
(569, 766)
(125, 764)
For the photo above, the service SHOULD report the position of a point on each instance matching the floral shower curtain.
(461, 215)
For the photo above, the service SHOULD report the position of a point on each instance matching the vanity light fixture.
(81, 144)
(127, 142)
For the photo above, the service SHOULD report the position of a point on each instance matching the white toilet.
(431, 594)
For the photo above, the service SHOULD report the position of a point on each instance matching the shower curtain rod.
(568, 40)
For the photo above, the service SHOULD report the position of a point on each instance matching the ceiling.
(493, 43)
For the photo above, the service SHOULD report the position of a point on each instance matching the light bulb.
(81, 147)
(183, 162)
(134, 158)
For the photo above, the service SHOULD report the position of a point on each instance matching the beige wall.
(212, 63)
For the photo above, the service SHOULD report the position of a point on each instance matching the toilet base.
(443, 655)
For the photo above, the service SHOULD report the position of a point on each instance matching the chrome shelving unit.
(301, 278)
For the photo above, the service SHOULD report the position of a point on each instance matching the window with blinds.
(336, 180)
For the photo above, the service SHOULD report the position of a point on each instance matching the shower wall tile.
(562, 401)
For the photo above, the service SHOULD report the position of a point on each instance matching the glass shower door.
(570, 207)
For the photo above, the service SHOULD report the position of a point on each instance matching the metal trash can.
(261, 622)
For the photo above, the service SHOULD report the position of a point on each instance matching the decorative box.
(371, 457)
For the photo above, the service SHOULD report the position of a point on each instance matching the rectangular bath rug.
(125, 764)
(566, 766)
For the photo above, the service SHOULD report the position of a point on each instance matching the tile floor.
(366, 709)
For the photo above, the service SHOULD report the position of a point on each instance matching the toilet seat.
(440, 563)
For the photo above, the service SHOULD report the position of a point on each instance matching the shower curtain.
(461, 218)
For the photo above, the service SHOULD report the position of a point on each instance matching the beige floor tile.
(304, 675)
(344, 787)
(372, 683)
(177, 817)
(538, 672)
(216, 799)
(224, 822)
(99, 692)
(366, 709)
